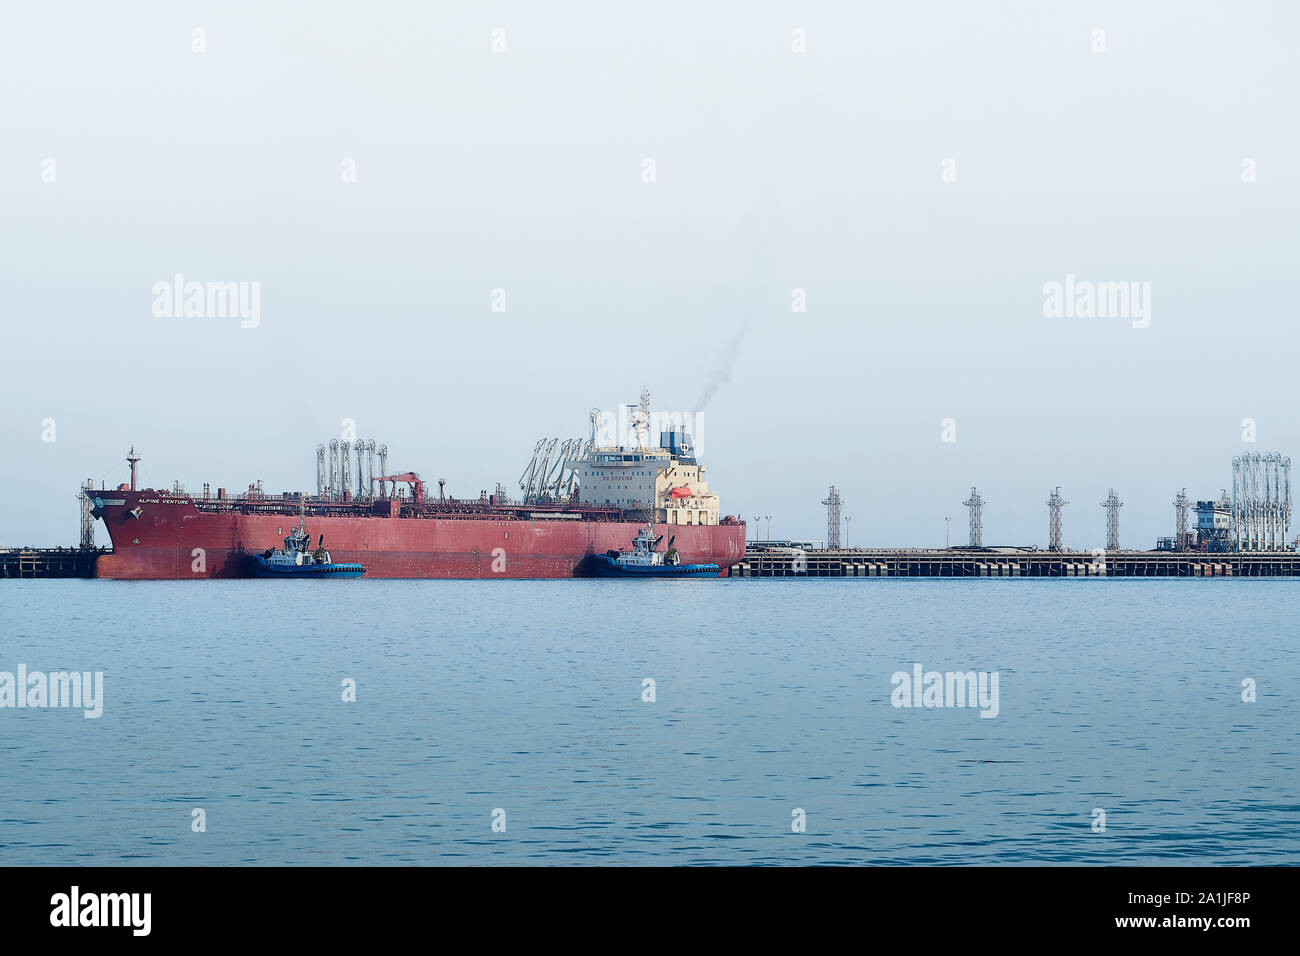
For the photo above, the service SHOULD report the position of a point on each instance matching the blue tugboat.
(294, 560)
(645, 561)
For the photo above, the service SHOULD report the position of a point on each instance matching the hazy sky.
(774, 170)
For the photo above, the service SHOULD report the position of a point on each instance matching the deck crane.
(412, 479)
(529, 475)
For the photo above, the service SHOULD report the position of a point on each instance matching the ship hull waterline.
(160, 537)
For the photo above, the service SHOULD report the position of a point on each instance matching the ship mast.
(133, 459)
(643, 423)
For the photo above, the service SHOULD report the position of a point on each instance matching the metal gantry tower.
(1181, 505)
(976, 505)
(1054, 505)
(833, 501)
(1112, 504)
(87, 518)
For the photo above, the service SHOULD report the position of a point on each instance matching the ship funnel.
(676, 440)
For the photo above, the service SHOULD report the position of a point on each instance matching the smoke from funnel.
(726, 365)
(756, 272)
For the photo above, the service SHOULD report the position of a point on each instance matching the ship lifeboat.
(681, 492)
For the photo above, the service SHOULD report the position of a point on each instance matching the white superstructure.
(665, 478)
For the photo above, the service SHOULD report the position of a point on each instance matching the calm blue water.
(771, 695)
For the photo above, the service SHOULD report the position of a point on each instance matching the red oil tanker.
(590, 500)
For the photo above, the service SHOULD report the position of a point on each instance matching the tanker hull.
(157, 535)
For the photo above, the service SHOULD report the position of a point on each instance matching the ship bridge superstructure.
(664, 479)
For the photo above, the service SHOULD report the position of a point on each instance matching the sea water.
(748, 721)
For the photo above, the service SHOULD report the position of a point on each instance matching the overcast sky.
(921, 171)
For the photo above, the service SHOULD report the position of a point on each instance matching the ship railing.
(450, 508)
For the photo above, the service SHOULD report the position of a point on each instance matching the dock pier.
(49, 562)
(975, 563)
(860, 563)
